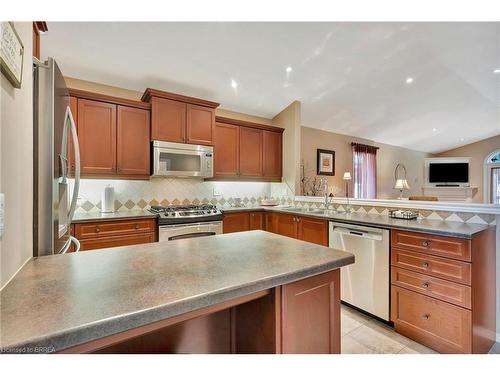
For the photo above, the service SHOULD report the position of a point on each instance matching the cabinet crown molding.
(248, 124)
(82, 94)
(149, 93)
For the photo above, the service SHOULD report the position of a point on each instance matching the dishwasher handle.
(372, 235)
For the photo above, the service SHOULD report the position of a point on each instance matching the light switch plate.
(2, 213)
(217, 191)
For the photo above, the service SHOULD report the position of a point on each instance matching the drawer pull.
(136, 226)
(426, 285)
(426, 243)
(97, 230)
(426, 316)
(426, 265)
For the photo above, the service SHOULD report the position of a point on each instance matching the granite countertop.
(81, 217)
(64, 300)
(440, 227)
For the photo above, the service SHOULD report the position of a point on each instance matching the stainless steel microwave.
(171, 159)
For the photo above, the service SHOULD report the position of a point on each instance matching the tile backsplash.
(135, 195)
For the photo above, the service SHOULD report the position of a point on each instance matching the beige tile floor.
(362, 334)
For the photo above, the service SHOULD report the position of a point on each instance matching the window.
(365, 171)
(492, 178)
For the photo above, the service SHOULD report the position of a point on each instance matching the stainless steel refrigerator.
(54, 134)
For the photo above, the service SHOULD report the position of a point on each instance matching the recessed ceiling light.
(289, 69)
(496, 71)
(409, 80)
(434, 129)
(462, 139)
(234, 84)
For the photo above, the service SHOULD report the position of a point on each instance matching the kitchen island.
(251, 292)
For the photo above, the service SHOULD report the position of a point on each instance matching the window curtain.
(364, 171)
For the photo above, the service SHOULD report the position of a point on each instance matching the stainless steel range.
(177, 222)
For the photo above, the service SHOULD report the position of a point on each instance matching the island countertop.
(65, 300)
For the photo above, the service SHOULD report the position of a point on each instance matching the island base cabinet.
(302, 317)
(311, 315)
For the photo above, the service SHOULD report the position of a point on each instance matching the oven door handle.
(191, 235)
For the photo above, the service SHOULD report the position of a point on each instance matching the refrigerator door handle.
(71, 239)
(74, 135)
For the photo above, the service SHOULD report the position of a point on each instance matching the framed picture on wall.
(11, 54)
(325, 162)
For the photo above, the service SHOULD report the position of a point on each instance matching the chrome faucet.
(328, 199)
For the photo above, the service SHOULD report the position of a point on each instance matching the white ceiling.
(350, 77)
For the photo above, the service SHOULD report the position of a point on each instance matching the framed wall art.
(11, 54)
(325, 162)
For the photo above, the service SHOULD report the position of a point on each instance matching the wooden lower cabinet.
(313, 230)
(299, 227)
(311, 315)
(243, 221)
(443, 290)
(439, 325)
(257, 220)
(112, 233)
(302, 317)
(236, 222)
(105, 242)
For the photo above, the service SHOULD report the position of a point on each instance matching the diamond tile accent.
(443, 214)
(165, 202)
(118, 205)
(129, 204)
(176, 201)
(154, 202)
(142, 203)
(196, 201)
(87, 206)
(186, 201)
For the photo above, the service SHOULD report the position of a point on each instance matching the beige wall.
(387, 158)
(477, 151)
(80, 84)
(289, 119)
(16, 164)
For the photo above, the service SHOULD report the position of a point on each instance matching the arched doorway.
(492, 178)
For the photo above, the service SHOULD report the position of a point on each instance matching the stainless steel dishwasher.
(364, 284)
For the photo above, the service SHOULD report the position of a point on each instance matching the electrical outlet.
(2, 213)
(217, 191)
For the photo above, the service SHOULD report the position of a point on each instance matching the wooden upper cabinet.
(180, 118)
(226, 150)
(272, 154)
(250, 152)
(168, 120)
(200, 125)
(97, 137)
(132, 141)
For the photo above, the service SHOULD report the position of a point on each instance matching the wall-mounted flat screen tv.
(449, 173)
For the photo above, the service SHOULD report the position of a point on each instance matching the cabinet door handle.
(426, 243)
(426, 316)
(426, 285)
(136, 226)
(426, 264)
(97, 229)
